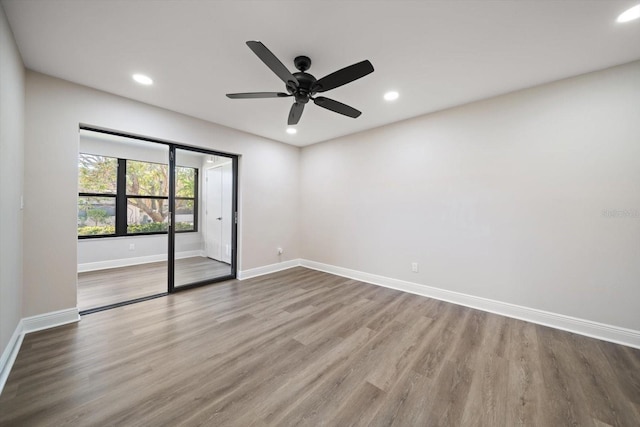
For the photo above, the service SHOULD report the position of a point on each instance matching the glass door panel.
(123, 213)
(204, 217)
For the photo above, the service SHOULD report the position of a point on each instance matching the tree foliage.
(94, 231)
(98, 216)
(152, 227)
(98, 174)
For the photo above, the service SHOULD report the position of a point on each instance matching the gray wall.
(501, 199)
(11, 171)
(268, 181)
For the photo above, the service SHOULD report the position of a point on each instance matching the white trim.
(10, 353)
(615, 334)
(125, 262)
(267, 269)
(50, 320)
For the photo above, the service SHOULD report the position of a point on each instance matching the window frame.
(121, 196)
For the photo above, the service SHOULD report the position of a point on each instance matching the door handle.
(219, 218)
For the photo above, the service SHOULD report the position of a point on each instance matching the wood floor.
(103, 287)
(305, 348)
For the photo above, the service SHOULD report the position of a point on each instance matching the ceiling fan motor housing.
(305, 80)
(303, 91)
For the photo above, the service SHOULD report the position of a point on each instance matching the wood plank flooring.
(306, 348)
(196, 269)
(103, 287)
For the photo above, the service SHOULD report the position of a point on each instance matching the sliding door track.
(123, 303)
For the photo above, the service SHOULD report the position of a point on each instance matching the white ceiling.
(437, 54)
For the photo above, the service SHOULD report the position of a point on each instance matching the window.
(186, 181)
(98, 176)
(147, 197)
(120, 197)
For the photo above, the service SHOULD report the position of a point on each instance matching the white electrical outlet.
(280, 251)
(132, 247)
(414, 267)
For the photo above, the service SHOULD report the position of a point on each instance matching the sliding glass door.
(153, 218)
(203, 213)
(123, 208)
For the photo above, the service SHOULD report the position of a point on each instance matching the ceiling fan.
(303, 86)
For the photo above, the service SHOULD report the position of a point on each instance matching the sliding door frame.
(171, 232)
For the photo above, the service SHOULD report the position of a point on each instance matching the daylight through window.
(121, 197)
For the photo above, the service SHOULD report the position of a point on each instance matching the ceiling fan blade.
(343, 76)
(273, 63)
(336, 106)
(295, 113)
(249, 95)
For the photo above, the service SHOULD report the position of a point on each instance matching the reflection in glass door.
(123, 214)
(203, 218)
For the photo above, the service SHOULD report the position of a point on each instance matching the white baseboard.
(615, 334)
(266, 269)
(50, 320)
(126, 262)
(10, 353)
(31, 324)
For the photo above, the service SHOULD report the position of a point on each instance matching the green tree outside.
(98, 174)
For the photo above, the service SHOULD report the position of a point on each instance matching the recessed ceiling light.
(629, 14)
(292, 131)
(391, 96)
(142, 79)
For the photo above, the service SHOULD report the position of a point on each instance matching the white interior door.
(213, 213)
